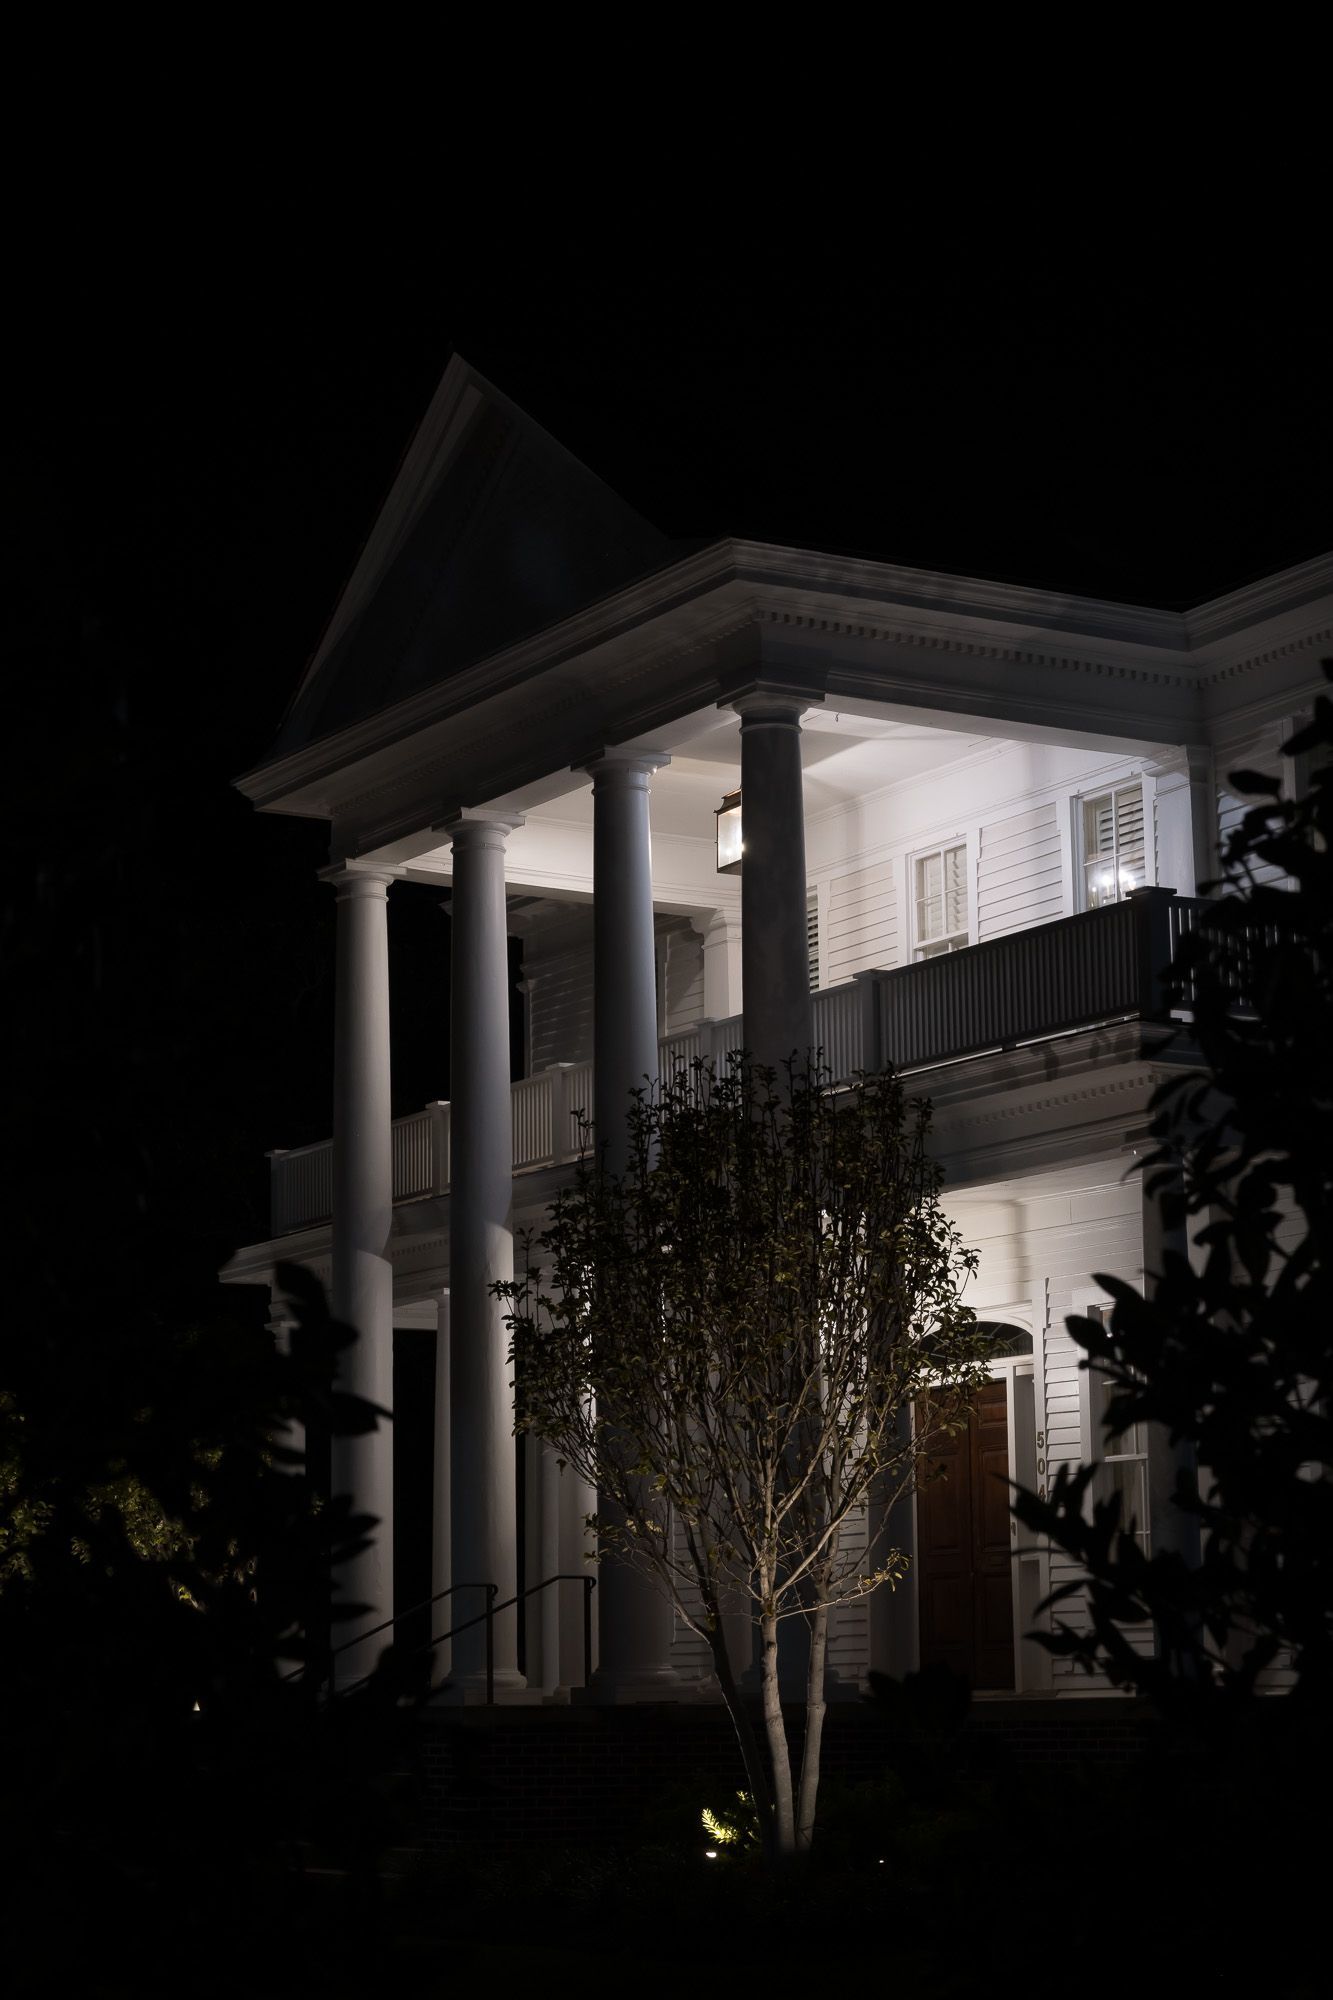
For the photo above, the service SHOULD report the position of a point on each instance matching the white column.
(288, 1434)
(1171, 1529)
(722, 966)
(775, 965)
(545, 1608)
(441, 1573)
(362, 1466)
(481, 1251)
(624, 962)
(775, 969)
(634, 1619)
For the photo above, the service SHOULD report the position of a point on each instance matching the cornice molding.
(859, 579)
(1317, 636)
(708, 598)
(1267, 597)
(924, 639)
(953, 1120)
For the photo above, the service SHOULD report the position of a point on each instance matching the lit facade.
(975, 817)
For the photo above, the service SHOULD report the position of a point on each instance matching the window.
(939, 901)
(1114, 855)
(1009, 1342)
(812, 936)
(1124, 1456)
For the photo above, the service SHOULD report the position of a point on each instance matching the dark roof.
(491, 532)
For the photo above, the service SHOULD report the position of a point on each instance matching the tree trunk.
(784, 1818)
(761, 1790)
(815, 1705)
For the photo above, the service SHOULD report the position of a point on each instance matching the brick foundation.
(515, 1777)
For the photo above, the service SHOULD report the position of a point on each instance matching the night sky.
(200, 447)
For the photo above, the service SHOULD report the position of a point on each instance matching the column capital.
(476, 827)
(351, 877)
(772, 701)
(618, 760)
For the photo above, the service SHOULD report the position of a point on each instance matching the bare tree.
(729, 1340)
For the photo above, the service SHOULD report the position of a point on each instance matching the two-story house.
(975, 818)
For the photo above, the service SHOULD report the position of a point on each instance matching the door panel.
(964, 1573)
(943, 1528)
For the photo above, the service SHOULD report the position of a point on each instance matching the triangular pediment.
(491, 532)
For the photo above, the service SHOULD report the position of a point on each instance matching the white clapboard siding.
(863, 922)
(690, 1654)
(1245, 750)
(849, 1624)
(560, 1008)
(684, 979)
(1104, 1234)
(1064, 1388)
(1020, 872)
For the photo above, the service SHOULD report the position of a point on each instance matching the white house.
(976, 818)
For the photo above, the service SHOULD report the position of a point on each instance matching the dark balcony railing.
(1105, 965)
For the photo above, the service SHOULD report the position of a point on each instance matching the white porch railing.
(1079, 971)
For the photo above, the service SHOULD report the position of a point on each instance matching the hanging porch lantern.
(729, 845)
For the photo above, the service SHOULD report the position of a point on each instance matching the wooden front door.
(965, 1604)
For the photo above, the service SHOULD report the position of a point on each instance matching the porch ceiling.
(844, 758)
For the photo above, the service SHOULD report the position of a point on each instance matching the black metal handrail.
(387, 1625)
(488, 1616)
(589, 1584)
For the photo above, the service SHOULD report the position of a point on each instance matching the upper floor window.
(939, 901)
(1114, 853)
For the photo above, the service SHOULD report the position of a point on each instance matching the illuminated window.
(939, 901)
(1114, 854)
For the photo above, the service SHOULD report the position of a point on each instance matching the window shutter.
(1129, 831)
(812, 936)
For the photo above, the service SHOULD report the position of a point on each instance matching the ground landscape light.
(729, 844)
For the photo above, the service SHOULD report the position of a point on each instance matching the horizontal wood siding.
(863, 922)
(560, 1008)
(1104, 1234)
(849, 1624)
(690, 1654)
(684, 979)
(1245, 750)
(1019, 872)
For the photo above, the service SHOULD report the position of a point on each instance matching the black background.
(200, 439)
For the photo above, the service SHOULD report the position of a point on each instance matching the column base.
(635, 1684)
(469, 1691)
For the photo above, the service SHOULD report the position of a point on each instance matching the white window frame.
(917, 952)
(1099, 1388)
(1079, 803)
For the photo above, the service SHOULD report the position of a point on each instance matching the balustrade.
(1081, 971)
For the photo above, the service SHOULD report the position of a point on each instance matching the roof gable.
(491, 532)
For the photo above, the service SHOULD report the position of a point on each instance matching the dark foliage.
(1233, 1359)
(168, 1771)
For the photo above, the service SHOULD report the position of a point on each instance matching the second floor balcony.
(1099, 967)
